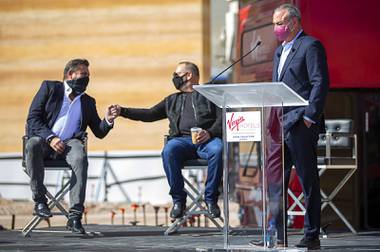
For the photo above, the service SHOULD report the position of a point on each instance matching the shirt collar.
(290, 43)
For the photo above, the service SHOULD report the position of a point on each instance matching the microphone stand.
(212, 81)
(242, 57)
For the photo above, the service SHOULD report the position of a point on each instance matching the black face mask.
(178, 81)
(78, 85)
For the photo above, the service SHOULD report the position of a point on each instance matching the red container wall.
(350, 32)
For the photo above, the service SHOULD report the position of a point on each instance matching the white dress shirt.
(286, 47)
(69, 118)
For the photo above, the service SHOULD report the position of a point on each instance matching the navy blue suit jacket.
(306, 72)
(46, 106)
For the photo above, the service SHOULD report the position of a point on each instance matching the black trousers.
(300, 145)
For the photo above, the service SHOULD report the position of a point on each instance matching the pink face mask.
(281, 32)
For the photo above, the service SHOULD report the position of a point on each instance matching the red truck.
(350, 32)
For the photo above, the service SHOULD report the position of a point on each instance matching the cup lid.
(196, 129)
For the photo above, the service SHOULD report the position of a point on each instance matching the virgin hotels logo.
(234, 123)
(243, 126)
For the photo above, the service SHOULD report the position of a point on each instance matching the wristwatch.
(49, 139)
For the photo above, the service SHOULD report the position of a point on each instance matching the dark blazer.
(46, 106)
(306, 72)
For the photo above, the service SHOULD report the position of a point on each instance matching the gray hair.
(293, 11)
(73, 65)
(191, 67)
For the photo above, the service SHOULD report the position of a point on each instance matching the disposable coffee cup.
(194, 134)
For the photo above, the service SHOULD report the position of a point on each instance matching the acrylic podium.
(253, 187)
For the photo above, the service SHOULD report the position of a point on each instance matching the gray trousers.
(37, 149)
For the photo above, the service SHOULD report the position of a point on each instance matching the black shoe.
(178, 210)
(75, 226)
(214, 209)
(260, 243)
(310, 244)
(42, 210)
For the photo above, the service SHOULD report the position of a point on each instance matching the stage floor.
(149, 238)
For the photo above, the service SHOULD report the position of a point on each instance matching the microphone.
(242, 57)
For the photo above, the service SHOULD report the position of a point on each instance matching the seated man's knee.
(216, 149)
(34, 144)
(80, 158)
(169, 150)
(77, 155)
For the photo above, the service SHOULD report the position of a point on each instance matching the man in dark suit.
(300, 62)
(58, 117)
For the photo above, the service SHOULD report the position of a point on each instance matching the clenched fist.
(112, 112)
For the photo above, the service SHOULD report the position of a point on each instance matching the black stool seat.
(53, 163)
(195, 162)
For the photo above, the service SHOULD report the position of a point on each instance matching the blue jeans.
(179, 149)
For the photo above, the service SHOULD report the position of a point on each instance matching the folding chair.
(195, 192)
(53, 200)
(338, 149)
(340, 154)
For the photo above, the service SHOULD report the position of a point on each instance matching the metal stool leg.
(195, 208)
(54, 201)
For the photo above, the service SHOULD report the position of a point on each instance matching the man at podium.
(300, 62)
(185, 110)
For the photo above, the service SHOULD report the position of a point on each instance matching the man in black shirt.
(186, 109)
